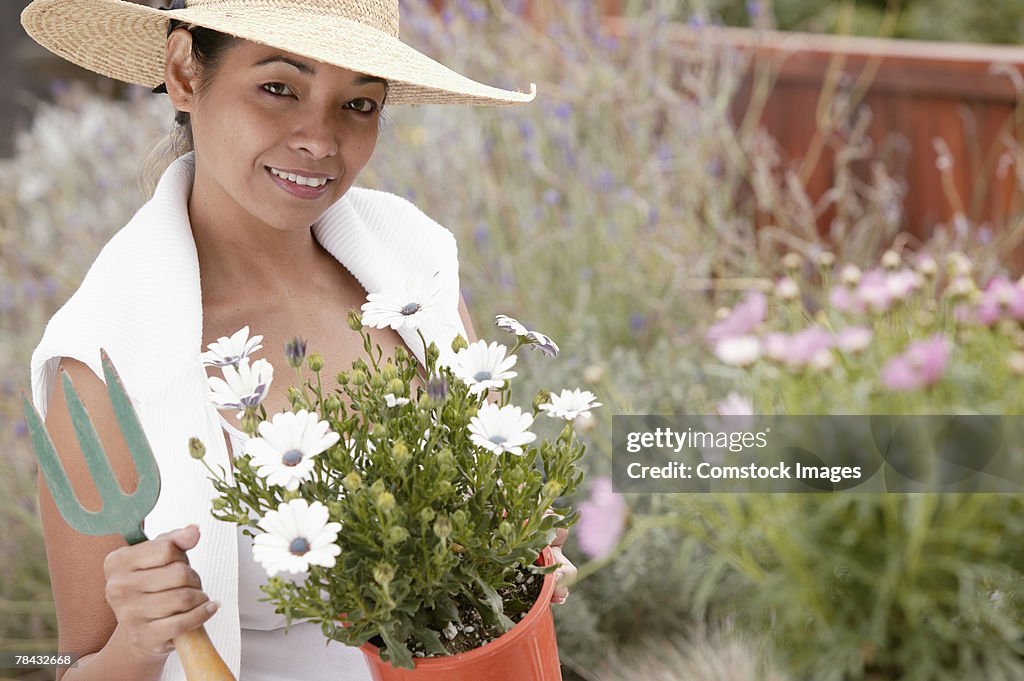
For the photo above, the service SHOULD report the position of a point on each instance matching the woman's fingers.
(167, 548)
(565, 575)
(154, 593)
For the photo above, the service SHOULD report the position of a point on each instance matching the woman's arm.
(118, 606)
(466, 321)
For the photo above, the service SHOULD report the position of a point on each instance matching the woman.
(280, 102)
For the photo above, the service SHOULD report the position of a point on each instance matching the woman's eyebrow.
(311, 71)
(301, 66)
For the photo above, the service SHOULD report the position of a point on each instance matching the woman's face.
(281, 137)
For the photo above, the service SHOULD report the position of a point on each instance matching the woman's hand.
(154, 593)
(565, 574)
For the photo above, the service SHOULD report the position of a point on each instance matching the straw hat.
(127, 41)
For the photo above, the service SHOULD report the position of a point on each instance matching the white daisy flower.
(482, 366)
(513, 326)
(243, 386)
(283, 453)
(297, 535)
(535, 339)
(230, 351)
(570, 404)
(501, 429)
(408, 305)
(393, 401)
(543, 343)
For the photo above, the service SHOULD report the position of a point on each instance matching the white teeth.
(299, 179)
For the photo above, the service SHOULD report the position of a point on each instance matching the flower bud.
(242, 464)
(445, 457)
(358, 377)
(332, 404)
(505, 530)
(334, 509)
(219, 504)
(342, 378)
(316, 362)
(551, 489)
(400, 453)
(460, 518)
(196, 448)
(437, 389)
(250, 422)
(355, 320)
(432, 354)
(389, 372)
(443, 527)
(383, 574)
(352, 481)
(927, 266)
(401, 355)
(396, 386)
(295, 351)
(542, 397)
(787, 289)
(376, 381)
(443, 488)
(849, 275)
(397, 535)
(294, 396)
(385, 501)
(459, 343)
(825, 259)
(427, 515)
(792, 261)
(378, 431)
(891, 260)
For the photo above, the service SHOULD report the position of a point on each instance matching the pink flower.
(920, 365)
(807, 346)
(744, 317)
(844, 300)
(873, 291)
(1000, 296)
(602, 519)
(853, 339)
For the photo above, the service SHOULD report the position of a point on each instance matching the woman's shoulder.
(390, 211)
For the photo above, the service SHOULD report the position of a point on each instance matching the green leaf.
(496, 605)
(394, 650)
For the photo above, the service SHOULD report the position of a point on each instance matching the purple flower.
(563, 111)
(920, 365)
(602, 519)
(551, 197)
(744, 317)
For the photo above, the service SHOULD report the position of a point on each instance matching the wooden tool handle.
(200, 659)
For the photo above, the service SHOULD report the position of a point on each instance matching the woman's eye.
(362, 105)
(279, 89)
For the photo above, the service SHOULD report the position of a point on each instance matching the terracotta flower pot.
(527, 652)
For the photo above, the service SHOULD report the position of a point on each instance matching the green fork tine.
(121, 513)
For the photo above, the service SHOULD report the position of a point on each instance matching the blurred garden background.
(680, 155)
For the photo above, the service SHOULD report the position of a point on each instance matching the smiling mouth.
(301, 180)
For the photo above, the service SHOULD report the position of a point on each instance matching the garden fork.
(121, 513)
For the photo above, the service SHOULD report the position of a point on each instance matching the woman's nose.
(317, 134)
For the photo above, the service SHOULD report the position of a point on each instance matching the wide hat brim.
(127, 42)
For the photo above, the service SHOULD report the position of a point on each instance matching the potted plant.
(411, 504)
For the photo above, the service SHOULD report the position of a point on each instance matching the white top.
(268, 649)
(142, 301)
